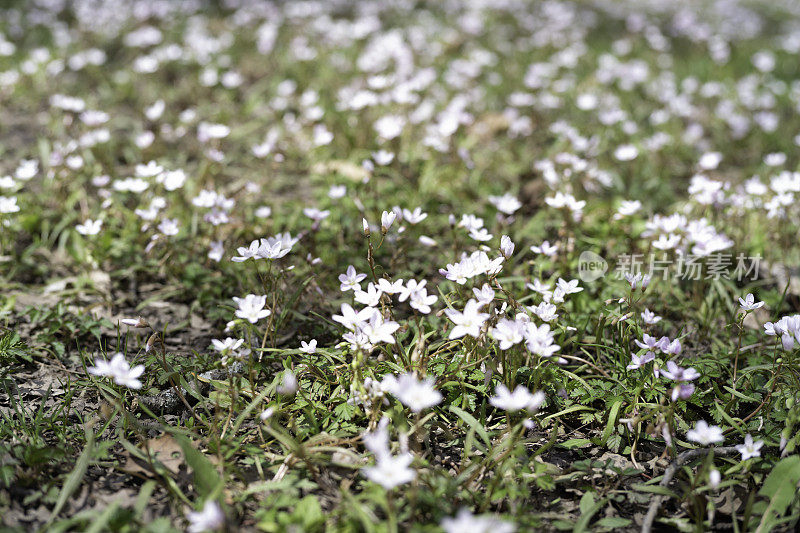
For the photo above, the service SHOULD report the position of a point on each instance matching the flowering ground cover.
(399, 266)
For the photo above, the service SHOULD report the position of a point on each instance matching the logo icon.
(591, 266)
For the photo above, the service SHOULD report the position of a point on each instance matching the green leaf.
(310, 513)
(471, 422)
(568, 410)
(575, 443)
(587, 502)
(612, 420)
(206, 478)
(589, 508)
(780, 487)
(74, 479)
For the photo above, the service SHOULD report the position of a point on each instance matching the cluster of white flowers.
(472, 265)
(428, 91)
(787, 328)
(269, 248)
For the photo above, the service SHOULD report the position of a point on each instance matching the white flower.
(275, 247)
(390, 287)
(520, 399)
(481, 235)
(749, 448)
(90, 227)
(144, 139)
(469, 322)
(539, 340)
(150, 170)
(350, 318)
(387, 219)
(422, 301)
(322, 135)
(569, 287)
(389, 126)
(627, 208)
(414, 217)
(638, 362)
(710, 160)
(666, 242)
(506, 246)
(8, 204)
(288, 384)
(538, 286)
(545, 249)
(211, 518)
(705, 434)
(714, 478)
(748, 303)
(378, 330)
(27, 169)
(263, 212)
(413, 393)
(309, 347)
(649, 317)
(507, 203)
(315, 214)
(382, 157)
(410, 288)
(337, 191)
(227, 345)
(247, 252)
(390, 471)
(172, 179)
(155, 111)
(470, 223)
(351, 280)
(484, 295)
(371, 297)
(626, 152)
(251, 308)
(169, 226)
(676, 373)
(207, 131)
(427, 241)
(216, 251)
(545, 311)
(508, 333)
(118, 369)
(466, 522)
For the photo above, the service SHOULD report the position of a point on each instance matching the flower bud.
(506, 246)
(154, 338)
(289, 384)
(714, 478)
(365, 225)
(666, 434)
(387, 219)
(137, 322)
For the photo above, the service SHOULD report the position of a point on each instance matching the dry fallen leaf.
(164, 449)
